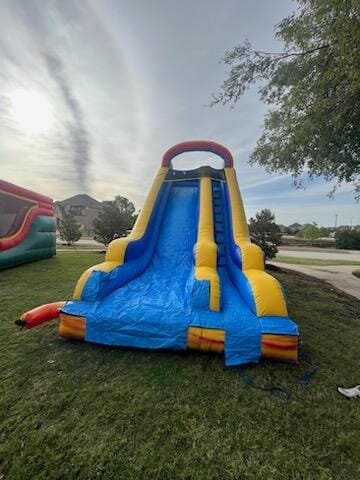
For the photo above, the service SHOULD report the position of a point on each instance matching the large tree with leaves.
(312, 88)
(114, 220)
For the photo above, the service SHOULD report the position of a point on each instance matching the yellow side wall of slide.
(115, 254)
(206, 248)
(269, 299)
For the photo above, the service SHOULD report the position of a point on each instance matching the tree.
(312, 232)
(348, 238)
(69, 229)
(312, 87)
(124, 205)
(265, 233)
(114, 220)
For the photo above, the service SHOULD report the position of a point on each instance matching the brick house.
(84, 209)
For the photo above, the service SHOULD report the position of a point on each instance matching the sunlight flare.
(31, 111)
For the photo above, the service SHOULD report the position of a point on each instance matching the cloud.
(127, 80)
(79, 137)
(264, 181)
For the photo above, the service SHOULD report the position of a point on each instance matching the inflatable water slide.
(186, 277)
(27, 226)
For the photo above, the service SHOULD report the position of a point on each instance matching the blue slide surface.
(154, 310)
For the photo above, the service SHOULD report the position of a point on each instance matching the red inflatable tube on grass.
(39, 315)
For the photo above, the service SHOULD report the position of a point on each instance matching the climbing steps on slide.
(218, 210)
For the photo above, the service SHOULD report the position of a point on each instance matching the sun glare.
(31, 111)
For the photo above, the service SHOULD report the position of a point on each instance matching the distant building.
(283, 229)
(295, 228)
(84, 209)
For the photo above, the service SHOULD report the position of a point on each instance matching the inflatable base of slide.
(187, 276)
(27, 226)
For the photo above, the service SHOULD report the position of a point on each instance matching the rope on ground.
(307, 376)
(278, 391)
(275, 391)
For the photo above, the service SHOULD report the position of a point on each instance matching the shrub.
(348, 239)
(265, 233)
(69, 229)
(312, 232)
(356, 273)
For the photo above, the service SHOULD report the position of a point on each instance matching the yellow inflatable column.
(206, 248)
(268, 296)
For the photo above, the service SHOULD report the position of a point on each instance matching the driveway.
(339, 276)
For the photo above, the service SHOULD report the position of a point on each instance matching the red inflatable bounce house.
(27, 226)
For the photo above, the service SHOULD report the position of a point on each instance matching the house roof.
(299, 226)
(81, 200)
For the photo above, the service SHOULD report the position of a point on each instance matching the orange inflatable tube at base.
(72, 327)
(283, 348)
(39, 315)
(275, 347)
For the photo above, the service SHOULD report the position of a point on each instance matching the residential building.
(84, 209)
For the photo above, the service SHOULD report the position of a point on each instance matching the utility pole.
(336, 220)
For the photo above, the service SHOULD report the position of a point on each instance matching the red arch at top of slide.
(198, 146)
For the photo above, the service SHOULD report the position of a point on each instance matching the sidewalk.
(340, 276)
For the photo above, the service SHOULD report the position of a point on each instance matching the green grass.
(313, 261)
(72, 410)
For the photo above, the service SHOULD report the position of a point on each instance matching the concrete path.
(72, 250)
(338, 275)
(323, 254)
(85, 241)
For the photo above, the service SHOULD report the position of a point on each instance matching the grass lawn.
(72, 410)
(313, 261)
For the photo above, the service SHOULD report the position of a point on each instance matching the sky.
(93, 93)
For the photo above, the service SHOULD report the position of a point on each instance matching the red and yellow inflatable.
(27, 226)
